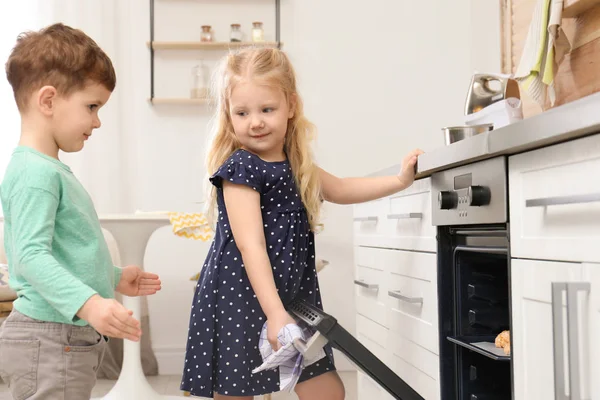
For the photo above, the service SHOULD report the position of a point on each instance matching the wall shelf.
(208, 45)
(154, 45)
(178, 101)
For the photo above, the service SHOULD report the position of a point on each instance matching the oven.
(470, 211)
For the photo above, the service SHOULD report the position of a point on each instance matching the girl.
(268, 191)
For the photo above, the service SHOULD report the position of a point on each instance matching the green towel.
(545, 47)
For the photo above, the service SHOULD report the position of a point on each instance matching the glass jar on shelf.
(200, 81)
(236, 33)
(206, 35)
(258, 34)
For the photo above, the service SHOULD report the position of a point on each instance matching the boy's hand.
(135, 282)
(408, 171)
(110, 318)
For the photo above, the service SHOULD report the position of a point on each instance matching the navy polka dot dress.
(226, 317)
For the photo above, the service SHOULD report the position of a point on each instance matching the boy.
(53, 342)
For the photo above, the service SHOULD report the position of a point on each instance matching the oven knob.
(447, 200)
(479, 196)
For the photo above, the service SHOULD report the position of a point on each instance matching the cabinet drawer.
(373, 336)
(407, 223)
(368, 219)
(412, 309)
(400, 221)
(555, 202)
(369, 390)
(370, 281)
(417, 366)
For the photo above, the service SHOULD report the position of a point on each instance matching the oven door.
(341, 339)
(474, 304)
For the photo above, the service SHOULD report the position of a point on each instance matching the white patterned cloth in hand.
(6, 293)
(3, 275)
(288, 358)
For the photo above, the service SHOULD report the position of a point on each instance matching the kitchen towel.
(188, 225)
(545, 47)
(290, 357)
(191, 225)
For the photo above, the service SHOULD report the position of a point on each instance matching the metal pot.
(453, 134)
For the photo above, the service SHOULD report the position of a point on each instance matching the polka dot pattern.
(226, 317)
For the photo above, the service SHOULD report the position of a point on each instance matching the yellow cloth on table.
(191, 225)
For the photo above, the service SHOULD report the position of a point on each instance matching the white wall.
(10, 28)
(378, 78)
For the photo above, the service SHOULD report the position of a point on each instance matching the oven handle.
(476, 249)
(563, 200)
(492, 232)
(413, 300)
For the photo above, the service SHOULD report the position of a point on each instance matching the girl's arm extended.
(245, 218)
(358, 190)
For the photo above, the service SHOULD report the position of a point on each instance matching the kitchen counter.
(572, 120)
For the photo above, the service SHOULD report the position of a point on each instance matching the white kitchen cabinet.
(560, 330)
(373, 336)
(368, 222)
(400, 221)
(554, 202)
(407, 219)
(396, 289)
(371, 283)
(412, 309)
(418, 367)
(368, 389)
(554, 197)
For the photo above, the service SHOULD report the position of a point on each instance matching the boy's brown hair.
(58, 56)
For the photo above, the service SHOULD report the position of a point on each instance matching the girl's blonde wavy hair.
(270, 67)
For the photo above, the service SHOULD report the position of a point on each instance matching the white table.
(132, 232)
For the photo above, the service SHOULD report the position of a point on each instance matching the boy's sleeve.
(33, 213)
(117, 274)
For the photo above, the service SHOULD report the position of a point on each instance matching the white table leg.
(132, 234)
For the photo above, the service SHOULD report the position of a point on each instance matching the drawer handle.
(572, 338)
(563, 200)
(405, 216)
(413, 300)
(366, 219)
(558, 337)
(364, 284)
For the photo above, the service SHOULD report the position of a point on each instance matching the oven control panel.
(471, 194)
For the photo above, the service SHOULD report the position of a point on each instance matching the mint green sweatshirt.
(57, 255)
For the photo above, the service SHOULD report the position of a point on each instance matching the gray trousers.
(49, 361)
